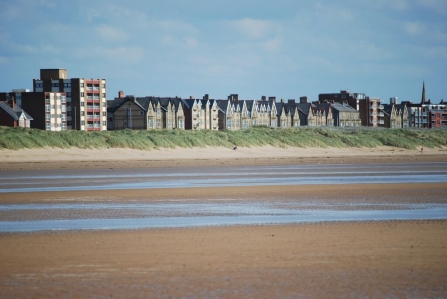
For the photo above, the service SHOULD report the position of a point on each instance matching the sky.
(282, 48)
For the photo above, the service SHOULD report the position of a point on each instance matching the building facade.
(86, 98)
(48, 109)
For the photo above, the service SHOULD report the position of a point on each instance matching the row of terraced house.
(146, 113)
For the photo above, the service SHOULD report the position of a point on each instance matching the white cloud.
(251, 28)
(399, 5)
(111, 34)
(438, 6)
(177, 27)
(330, 13)
(272, 45)
(3, 60)
(414, 28)
(118, 55)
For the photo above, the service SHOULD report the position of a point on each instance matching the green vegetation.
(19, 138)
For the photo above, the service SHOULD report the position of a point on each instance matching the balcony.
(381, 122)
(381, 114)
(380, 106)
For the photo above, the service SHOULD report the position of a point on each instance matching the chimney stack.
(121, 94)
(303, 100)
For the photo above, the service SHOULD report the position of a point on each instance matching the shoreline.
(73, 158)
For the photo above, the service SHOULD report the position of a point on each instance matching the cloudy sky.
(282, 48)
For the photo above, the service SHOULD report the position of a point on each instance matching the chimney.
(263, 98)
(303, 100)
(291, 101)
(272, 99)
(191, 97)
(206, 97)
(121, 94)
(282, 100)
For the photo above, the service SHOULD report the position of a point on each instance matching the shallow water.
(93, 216)
(172, 215)
(113, 179)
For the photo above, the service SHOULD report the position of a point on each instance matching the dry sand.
(51, 158)
(388, 259)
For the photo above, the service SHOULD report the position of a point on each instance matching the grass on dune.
(20, 138)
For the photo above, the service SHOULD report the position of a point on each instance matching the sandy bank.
(118, 157)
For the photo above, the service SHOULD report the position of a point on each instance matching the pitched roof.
(343, 107)
(15, 112)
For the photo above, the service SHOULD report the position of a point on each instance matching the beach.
(343, 259)
(74, 158)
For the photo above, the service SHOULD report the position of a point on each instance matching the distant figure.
(235, 148)
(422, 150)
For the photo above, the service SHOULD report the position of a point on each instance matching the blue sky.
(282, 48)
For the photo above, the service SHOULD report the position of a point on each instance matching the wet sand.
(394, 259)
(389, 259)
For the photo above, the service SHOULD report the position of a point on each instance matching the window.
(47, 108)
(82, 104)
(104, 114)
(141, 112)
(67, 84)
(82, 85)
(103, 95)
(68, 113)
(180, 123)
(54, 84)
(104, 123)
(103, 85)
(39, 85)
(82, 94)
(151, 123)
(82, 122)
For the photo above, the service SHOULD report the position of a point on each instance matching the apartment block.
(48, 109)
(370, 109)
(86, 98)
(371, 112)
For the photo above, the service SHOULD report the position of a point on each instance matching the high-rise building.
(86, 98)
